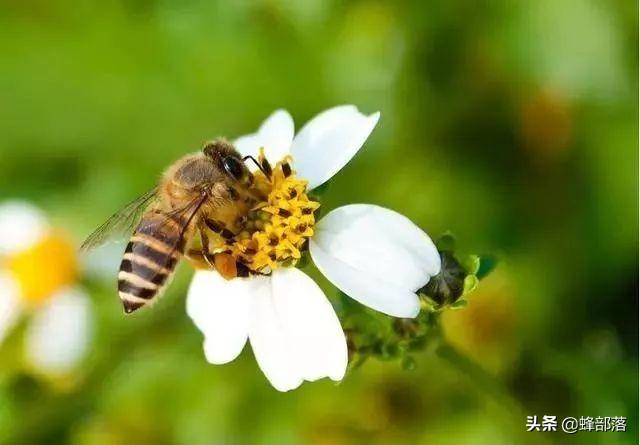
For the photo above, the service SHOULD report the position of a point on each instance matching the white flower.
(374, 255)
(11, 306)
(57, 335)
(37, 280)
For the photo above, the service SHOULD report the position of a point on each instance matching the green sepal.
(471, 264)
(461, 303)
(446, 242)
(470, 283)
(372, 334)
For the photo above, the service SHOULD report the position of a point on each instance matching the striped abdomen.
(149, 260)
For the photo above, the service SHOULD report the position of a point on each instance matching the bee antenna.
(251, 158)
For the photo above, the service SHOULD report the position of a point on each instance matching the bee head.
(227, 159)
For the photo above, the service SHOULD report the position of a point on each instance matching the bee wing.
(181, 216)
(121, 223)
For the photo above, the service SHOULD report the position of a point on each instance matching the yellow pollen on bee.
(44, 268)
(277, 228)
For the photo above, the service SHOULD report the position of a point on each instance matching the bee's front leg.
(219, 228)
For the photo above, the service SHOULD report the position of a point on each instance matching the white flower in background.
(374, 255)
(38, 270)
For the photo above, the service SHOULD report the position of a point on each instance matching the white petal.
(21, 226)
(10, 304)
(376, 256)
(275, 135)
(270, 342)
(328, 141)
(295, 333)
(58, 335)
(220, 309)
(311, 325)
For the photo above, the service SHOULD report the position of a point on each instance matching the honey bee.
(209, 190)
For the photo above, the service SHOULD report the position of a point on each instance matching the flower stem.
(481, 379)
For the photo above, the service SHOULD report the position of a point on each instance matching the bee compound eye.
(233, 167)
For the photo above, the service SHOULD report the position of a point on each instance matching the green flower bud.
(448, 286)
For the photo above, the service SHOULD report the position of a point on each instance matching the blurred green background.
(514, 124)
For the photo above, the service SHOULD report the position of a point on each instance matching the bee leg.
(254, 195)
(219, 228)
(266, 167)
(204, 238)
(263, 165)
(196, 258)
(223, 263)
(226, 265)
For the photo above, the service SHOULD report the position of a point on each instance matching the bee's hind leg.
(203, 258)
(223, 262)
(196, 258)
(204, 239)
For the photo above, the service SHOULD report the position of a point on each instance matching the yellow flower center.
(44, 268)
(276, 229)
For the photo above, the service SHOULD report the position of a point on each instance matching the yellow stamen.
(44, 268)
(277, 228)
